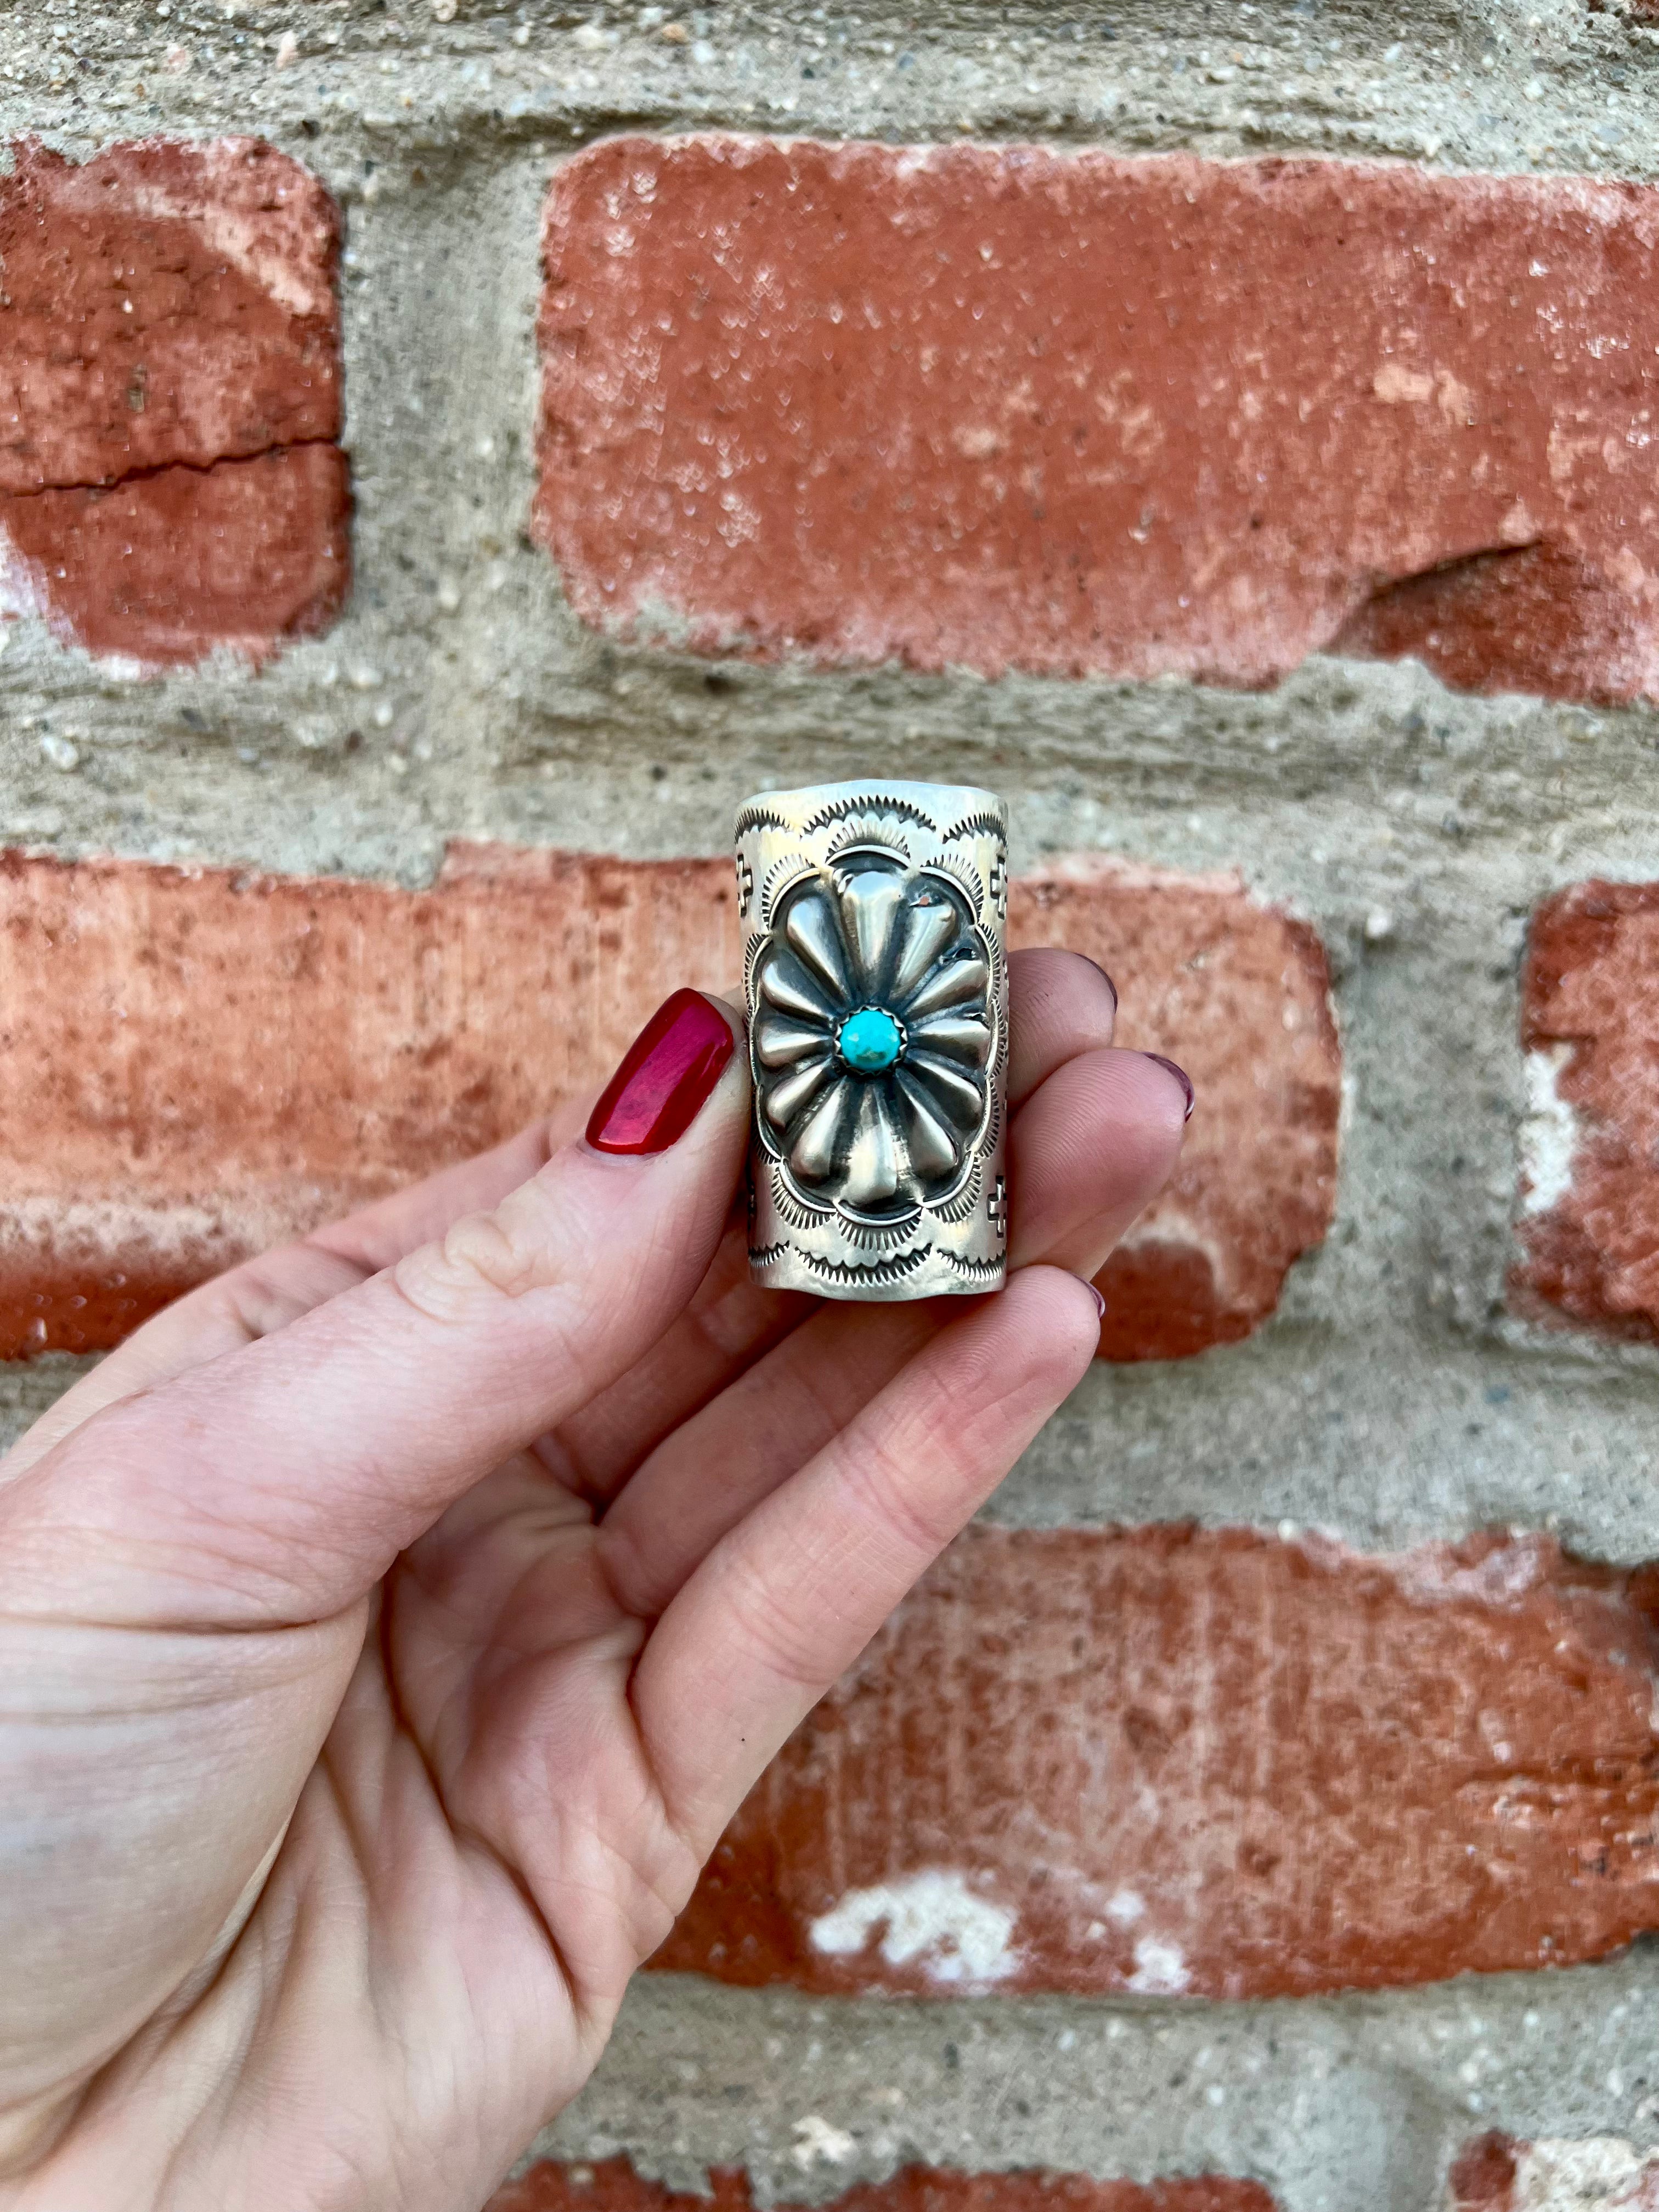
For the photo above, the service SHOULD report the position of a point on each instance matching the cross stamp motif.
(745, 885)
(999, 884)
(996, 1207)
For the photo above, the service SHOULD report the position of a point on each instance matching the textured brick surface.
(1589, 1225)
(170, 393)
(160, 569)
(1238, 993)
(1208, 1764)
(612, 2185)
(1010, 408)
(1596, 2174)
(193, 1063)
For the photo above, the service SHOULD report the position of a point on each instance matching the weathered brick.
(159, 569)
(1589, 1223)
(193, 1062)
(1239, 993)
(170, 399)
(1007, 407)
(1171, 1762)
(612, 2185)
(1597, 2173)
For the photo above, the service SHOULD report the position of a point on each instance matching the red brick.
(1238, 993)
(1589, 1225)
(1207, 1763)
(170, 399)
(613, 2187)
(160, 567)
(194, 1062)
(1482, 2176)
(1494, 2173)
(1005, 407)
(1536, 618)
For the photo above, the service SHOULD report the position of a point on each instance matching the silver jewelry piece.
(877, 985)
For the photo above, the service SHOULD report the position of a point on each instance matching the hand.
(389, 1629)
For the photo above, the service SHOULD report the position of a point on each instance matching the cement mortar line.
(1305, 823)
(1348, 2103)
(1554, 86)
(1188, 797)
(1385, 1447)
(1327, 724)
(507, 132)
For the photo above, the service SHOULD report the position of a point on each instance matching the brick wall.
(448, 455)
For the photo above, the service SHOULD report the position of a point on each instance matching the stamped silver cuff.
(876, 983)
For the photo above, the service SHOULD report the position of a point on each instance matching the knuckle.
(887, 1482)
(481, 1258)
(781, 1638)
(269, 1293)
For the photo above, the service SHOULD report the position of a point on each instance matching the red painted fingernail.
(667, 1075)
(1180, 1077)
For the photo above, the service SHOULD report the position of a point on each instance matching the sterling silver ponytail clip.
(877, 984)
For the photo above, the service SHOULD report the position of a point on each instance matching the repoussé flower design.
(872, 1035)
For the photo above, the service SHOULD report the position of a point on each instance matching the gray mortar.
(1389, 1399)
(1338, 2105)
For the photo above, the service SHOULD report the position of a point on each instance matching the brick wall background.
(449, 454)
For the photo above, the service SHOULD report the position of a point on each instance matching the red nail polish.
(1180, 1077)
(667, 1075)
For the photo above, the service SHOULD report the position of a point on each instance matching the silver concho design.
(876, 986)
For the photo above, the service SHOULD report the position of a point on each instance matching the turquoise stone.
(870, 1040)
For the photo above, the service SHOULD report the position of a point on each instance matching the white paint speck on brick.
(1549, 1133)
(933, 1918)
(1160, 1968)
(278, 250)
(818, 2141)
(1598, 2175)
(1173, 1228)
(20, 593)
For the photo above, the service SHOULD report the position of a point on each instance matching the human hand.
(389, 1629)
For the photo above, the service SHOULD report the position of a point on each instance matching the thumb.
(279, 1481)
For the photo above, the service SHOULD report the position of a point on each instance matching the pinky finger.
(786, 1602)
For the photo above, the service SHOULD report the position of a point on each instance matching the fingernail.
(1100, 1303)
(1103, 976)
(665, 1077)
(1180, 1077)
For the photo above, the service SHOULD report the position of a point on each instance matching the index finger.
(267, 1292)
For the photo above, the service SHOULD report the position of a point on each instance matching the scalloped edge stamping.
(879, 1271)
(965, 1204)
